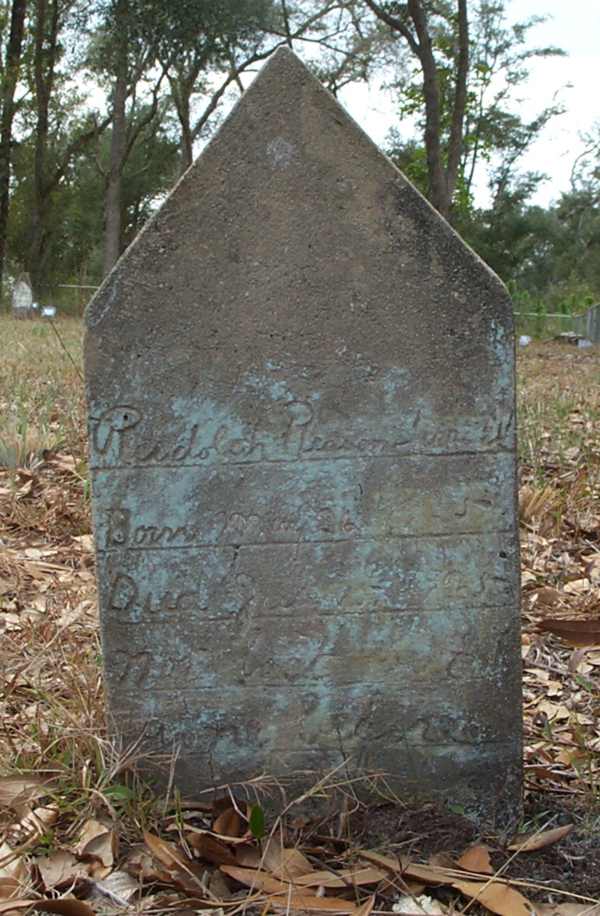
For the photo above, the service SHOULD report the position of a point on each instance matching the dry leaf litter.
(81, 834)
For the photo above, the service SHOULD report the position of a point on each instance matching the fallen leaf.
(142, 866)
(428, 874)
(257, 880)
(10, 887)
(12, 865)
(230, 840)
(15, 791)
(350, 878)
(166, 853)
(577, 586)
(66, 906)
(85, 541)
(16, 904)
(89, 832)
(229, 824)
(592, 568)
(477, 859)
(527, 577)
(541, 772)
(248, 857)
(286, 863)
(442, 860)
(571, 756)
(366, 908)
(556, 711)
(211, 849)
(532, 841)
(389, 862)
(118, 887)
(61, 867)
(182, 872)
(318, 904)
(499, 898)
(98, 841)
(63, 462)
(576, 631)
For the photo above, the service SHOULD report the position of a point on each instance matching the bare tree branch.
(396, 25)
(146, 119)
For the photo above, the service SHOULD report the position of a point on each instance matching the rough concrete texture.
(301, 398)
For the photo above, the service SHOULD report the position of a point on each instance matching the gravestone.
(301, 402)
(22, 298)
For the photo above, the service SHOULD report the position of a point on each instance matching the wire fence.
(68, 299)
(546, 325)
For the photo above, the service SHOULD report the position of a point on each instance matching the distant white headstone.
(22, 298)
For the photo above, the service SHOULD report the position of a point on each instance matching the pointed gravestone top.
(300, 386)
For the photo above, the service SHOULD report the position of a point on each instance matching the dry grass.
(41, 398)
(51, 702)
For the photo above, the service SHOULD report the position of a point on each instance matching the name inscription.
(123, 435)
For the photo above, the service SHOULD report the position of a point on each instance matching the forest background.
(105, 103)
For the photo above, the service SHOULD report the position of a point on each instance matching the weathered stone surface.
(301, 398)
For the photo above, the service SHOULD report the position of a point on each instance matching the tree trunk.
(11, 75)
(438, 186)
(114, 181)
(48, 169)
(46, 36)
(182, 87)
(455, 145)
(113, 201)
(187, 143)
(442, 170)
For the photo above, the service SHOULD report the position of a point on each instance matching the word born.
(226, 528)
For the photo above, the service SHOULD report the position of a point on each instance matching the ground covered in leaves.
(80, 834)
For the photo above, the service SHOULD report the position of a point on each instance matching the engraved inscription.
(124, 436)
(132, 601)
(279, 652)
(350, 499)
(110, 427)
(348, 716)
(230, 528)
(387, 576)
(124, 597)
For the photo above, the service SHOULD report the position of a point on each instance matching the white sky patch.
(574, 26)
